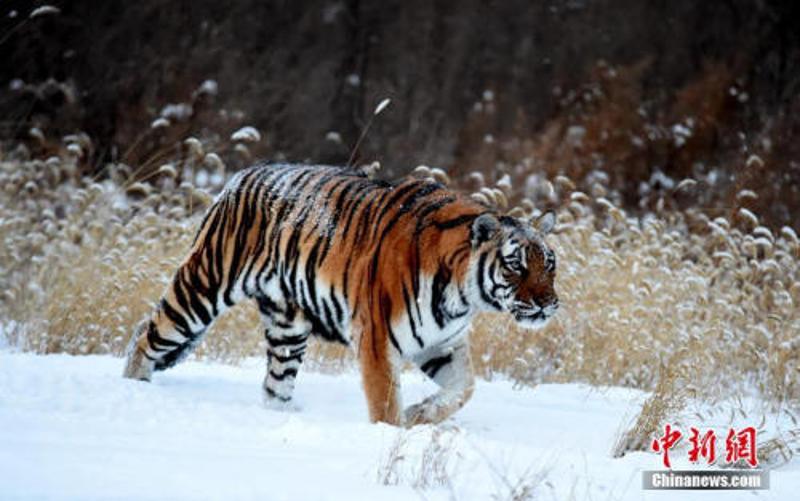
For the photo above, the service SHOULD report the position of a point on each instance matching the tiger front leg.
(451, 369)
(380, 373)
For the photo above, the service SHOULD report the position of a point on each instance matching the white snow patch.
(71, 427)
(681, 132)
(16, 84)
(333, 137)
(208, 88)
(159, 123)
(246, 134)
(44, 10)
(382, 106)
(177, 112)
(575, 135)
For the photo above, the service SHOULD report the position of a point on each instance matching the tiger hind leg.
(138, 365)
(176, 326)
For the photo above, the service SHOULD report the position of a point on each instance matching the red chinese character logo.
(741, 445)
(705, 446)
(666, 442)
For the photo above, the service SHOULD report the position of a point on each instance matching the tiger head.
(513, 268)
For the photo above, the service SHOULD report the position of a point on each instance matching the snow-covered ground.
(71, 427)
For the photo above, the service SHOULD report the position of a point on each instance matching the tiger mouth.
(533, 313)
(534, 316)
(539, 316)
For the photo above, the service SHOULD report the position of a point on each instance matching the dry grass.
(436, 463)
(668, 399)
(83, 261)
(635, 291)
(779, 450)
(524, 487)
(429, 467)
(673, 301)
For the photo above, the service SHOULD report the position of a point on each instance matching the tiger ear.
(545, 223)
(484, 228)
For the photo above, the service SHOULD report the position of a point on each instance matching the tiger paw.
(421, 413)
(138, 366)
(273, 401)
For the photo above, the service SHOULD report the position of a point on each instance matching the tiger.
(396, 270)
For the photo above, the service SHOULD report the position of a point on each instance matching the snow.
(177, 112)
(71, 427)
(382, 106)
(749, 216)
(333, 137)
(575, 135)
(44, 10)
(159, 123)
(246, 134)
(208, 87)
